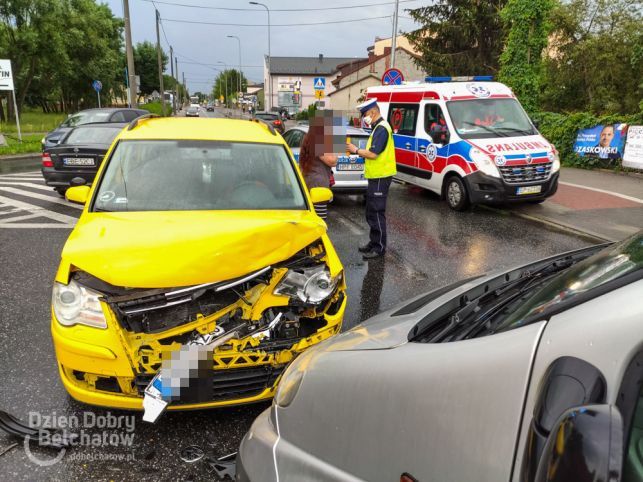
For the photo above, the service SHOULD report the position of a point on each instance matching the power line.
(276, 25)
(314, 9)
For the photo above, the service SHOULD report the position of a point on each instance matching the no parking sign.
(392, 77)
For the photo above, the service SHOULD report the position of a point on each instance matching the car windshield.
(182, 175)
(489, 118)
(597, 270)
(260, 115)
(93, 135)
(86, 118)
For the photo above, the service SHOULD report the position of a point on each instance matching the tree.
(595, 59)
(527, 22)
(146, 64)
(227, 84)
(458, 37)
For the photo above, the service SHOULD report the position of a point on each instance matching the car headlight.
(555, 161)
(483, 162)
(288, 388)
(74, 304)
(310, 285)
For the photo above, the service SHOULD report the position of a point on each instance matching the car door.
(432, 156)
(294, 138)
(403, 121)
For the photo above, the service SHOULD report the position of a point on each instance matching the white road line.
(28, 173)
(16, 179)
(42, 187)
(63, 218)
(622, 196)
(20, 218)
(36, 225)
(352, 228)
(14, 210)
(42, 197)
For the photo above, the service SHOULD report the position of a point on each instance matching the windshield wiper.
(486, 128)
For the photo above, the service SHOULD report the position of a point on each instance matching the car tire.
(456, 194)
(61, 190)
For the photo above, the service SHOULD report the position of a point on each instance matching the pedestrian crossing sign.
(319, 83)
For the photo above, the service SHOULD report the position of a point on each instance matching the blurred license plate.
(78, 161)
(350, 167)
(529, 190)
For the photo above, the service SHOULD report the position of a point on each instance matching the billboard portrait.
(603, 141)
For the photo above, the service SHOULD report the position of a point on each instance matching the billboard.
(603, 142)
(633, 156)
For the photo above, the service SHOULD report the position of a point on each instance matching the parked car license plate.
(350, 167)
(529, 190)
(78, 161)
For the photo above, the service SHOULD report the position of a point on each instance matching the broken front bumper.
(111, 367)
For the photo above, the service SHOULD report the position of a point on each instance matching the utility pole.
(160, 61)
(133, 88)
(394, 37)
(172, 74)
(185, 88)
(268, 105)
(179, 103)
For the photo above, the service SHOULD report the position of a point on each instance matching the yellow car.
(196, 233)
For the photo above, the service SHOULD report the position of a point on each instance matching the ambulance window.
(433, 116)
(402, 118)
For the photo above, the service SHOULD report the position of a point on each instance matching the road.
(430, 246)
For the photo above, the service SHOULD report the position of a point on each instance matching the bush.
(307, 114)
(155, 108)
(561, 130)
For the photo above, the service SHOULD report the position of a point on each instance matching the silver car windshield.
(93, 135)
(170, 175)
(489, 118)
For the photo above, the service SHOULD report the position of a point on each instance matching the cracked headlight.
(310, 285)
(483, 162)
(74, 304)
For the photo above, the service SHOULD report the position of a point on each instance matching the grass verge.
(30, 143)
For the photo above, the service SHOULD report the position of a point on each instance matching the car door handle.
(422, 148)
(408, 145)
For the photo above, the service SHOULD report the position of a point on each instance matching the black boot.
(365, 248)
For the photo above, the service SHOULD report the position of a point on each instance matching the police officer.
(379, 170)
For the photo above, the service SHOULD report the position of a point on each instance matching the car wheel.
(456, 194)
(61, 191)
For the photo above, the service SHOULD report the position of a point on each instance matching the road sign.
(392, 77)
(97, 85)
(6, 77)
(319, 83)
(319, 94)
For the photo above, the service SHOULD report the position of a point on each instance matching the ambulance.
(469, 140)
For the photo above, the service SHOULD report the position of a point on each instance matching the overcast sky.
(209, 44)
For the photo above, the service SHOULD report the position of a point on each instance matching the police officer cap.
(364, 107)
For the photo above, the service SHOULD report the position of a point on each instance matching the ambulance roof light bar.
(474, 78)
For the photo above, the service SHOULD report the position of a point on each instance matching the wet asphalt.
(429, 246)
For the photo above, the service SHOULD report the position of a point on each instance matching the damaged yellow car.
(197, 234)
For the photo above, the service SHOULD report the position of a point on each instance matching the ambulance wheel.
(456, 194)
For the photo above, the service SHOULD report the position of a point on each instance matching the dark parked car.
(78, 154)
(90, 116)
(210, 108)
(272, 119)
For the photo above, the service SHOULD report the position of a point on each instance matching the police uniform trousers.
(376, 196)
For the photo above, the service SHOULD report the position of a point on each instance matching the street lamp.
(226, 80)
(239, 41)
(269, 106)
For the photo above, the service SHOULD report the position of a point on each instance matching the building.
(381, 43)
(298, 82)
(350, 83)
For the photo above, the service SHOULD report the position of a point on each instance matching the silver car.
(349, 172)
(535, 374)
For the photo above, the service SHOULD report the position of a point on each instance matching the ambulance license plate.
(350, 167)
(529, 190)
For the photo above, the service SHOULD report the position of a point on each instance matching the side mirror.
(439, 136)
(321, 195)
(586, 445)
(77, 194)
(535, 123)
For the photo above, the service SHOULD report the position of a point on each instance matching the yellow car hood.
(182, 248)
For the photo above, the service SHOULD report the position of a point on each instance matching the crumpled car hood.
(183, 248)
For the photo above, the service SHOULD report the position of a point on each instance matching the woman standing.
(316, 160)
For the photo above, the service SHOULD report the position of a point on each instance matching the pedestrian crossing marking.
(42, 197)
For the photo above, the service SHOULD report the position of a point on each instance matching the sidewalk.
(600, 204)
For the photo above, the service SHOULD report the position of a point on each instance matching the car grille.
(526, 173)
(231, 384)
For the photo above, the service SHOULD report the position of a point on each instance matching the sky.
(208, 44)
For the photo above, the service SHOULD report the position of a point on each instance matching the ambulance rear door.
(403, 117)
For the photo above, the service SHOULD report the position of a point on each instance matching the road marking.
(21, 218)
(15, 210)
(14, 179)
(616, 194)
(42, 187)
(36, 225)
(353, 228)
(19, 174)
(42, 197)
(69, 221)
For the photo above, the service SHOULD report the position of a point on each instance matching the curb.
(558, 226)
(18, 157)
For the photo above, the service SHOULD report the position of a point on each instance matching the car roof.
(208, 129)
(112, 125)
(108, 109)
(351, 131)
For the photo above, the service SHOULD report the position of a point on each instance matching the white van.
(469, 140)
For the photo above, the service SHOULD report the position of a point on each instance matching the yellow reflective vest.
(384, 164)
